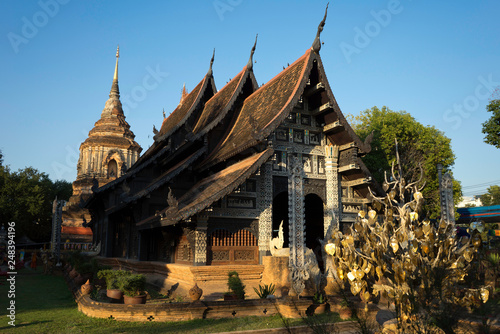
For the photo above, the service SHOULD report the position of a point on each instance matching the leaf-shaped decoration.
(468, 255)
(425, 247)
(394, 245)
(485, 293)
(426, 228)
(357, 227)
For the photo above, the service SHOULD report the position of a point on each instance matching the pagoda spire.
(115, 91)
(316, 46)
(250, 61)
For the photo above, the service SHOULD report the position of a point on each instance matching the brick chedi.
(105, 155)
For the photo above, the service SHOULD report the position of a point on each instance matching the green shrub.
(112, 276)
(132, 285)
(265, 290)
(235, 285)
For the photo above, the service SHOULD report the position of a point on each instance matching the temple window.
(112, 168)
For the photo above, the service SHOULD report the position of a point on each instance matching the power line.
(490, 183)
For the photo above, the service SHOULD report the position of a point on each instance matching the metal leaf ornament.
(392, 250)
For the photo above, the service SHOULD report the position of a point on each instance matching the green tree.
(26, 198)
(418, 145)
(491, 128)
(492, 197)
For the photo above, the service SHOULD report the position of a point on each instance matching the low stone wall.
(190, 311)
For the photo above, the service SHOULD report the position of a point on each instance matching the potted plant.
(111, 277)
(236, 287)
(345, 311)
(133, 287)
(319, 300)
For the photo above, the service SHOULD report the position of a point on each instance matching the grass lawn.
(44, 304)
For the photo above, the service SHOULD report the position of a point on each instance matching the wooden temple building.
(229, 165)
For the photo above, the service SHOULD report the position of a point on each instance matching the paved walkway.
(346, 327)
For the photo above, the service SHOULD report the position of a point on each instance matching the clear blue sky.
(437, 60)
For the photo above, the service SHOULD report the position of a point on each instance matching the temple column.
(333, 210)
(297, 235)
(200, 243)
(265, 206)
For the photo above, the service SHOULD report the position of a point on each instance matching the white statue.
(277, 243)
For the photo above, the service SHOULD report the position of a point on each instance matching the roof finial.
(316, 46)
(211, 63)
(115, 92)
(184, 93)
(250, 61)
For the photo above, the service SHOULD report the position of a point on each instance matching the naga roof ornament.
(316, 46)
(209, 73)
(250, 61)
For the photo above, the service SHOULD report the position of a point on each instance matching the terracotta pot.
(320, 308)
(134, 300)
(195, 293)
(345, 313)
(73, 273)
(86, 288)
(115, 295)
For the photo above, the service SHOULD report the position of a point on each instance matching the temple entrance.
(314, 221)
(280, 214)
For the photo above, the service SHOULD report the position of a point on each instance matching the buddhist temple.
(105, 155)
(229, 166)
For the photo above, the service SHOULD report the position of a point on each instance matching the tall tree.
(492, 197)
(491, 128)
(418, 145)
(26, 198)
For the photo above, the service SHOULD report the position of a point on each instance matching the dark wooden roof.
(209, 190)
(179, 116)
(159, 181)
(218, 106)
(264, 110)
